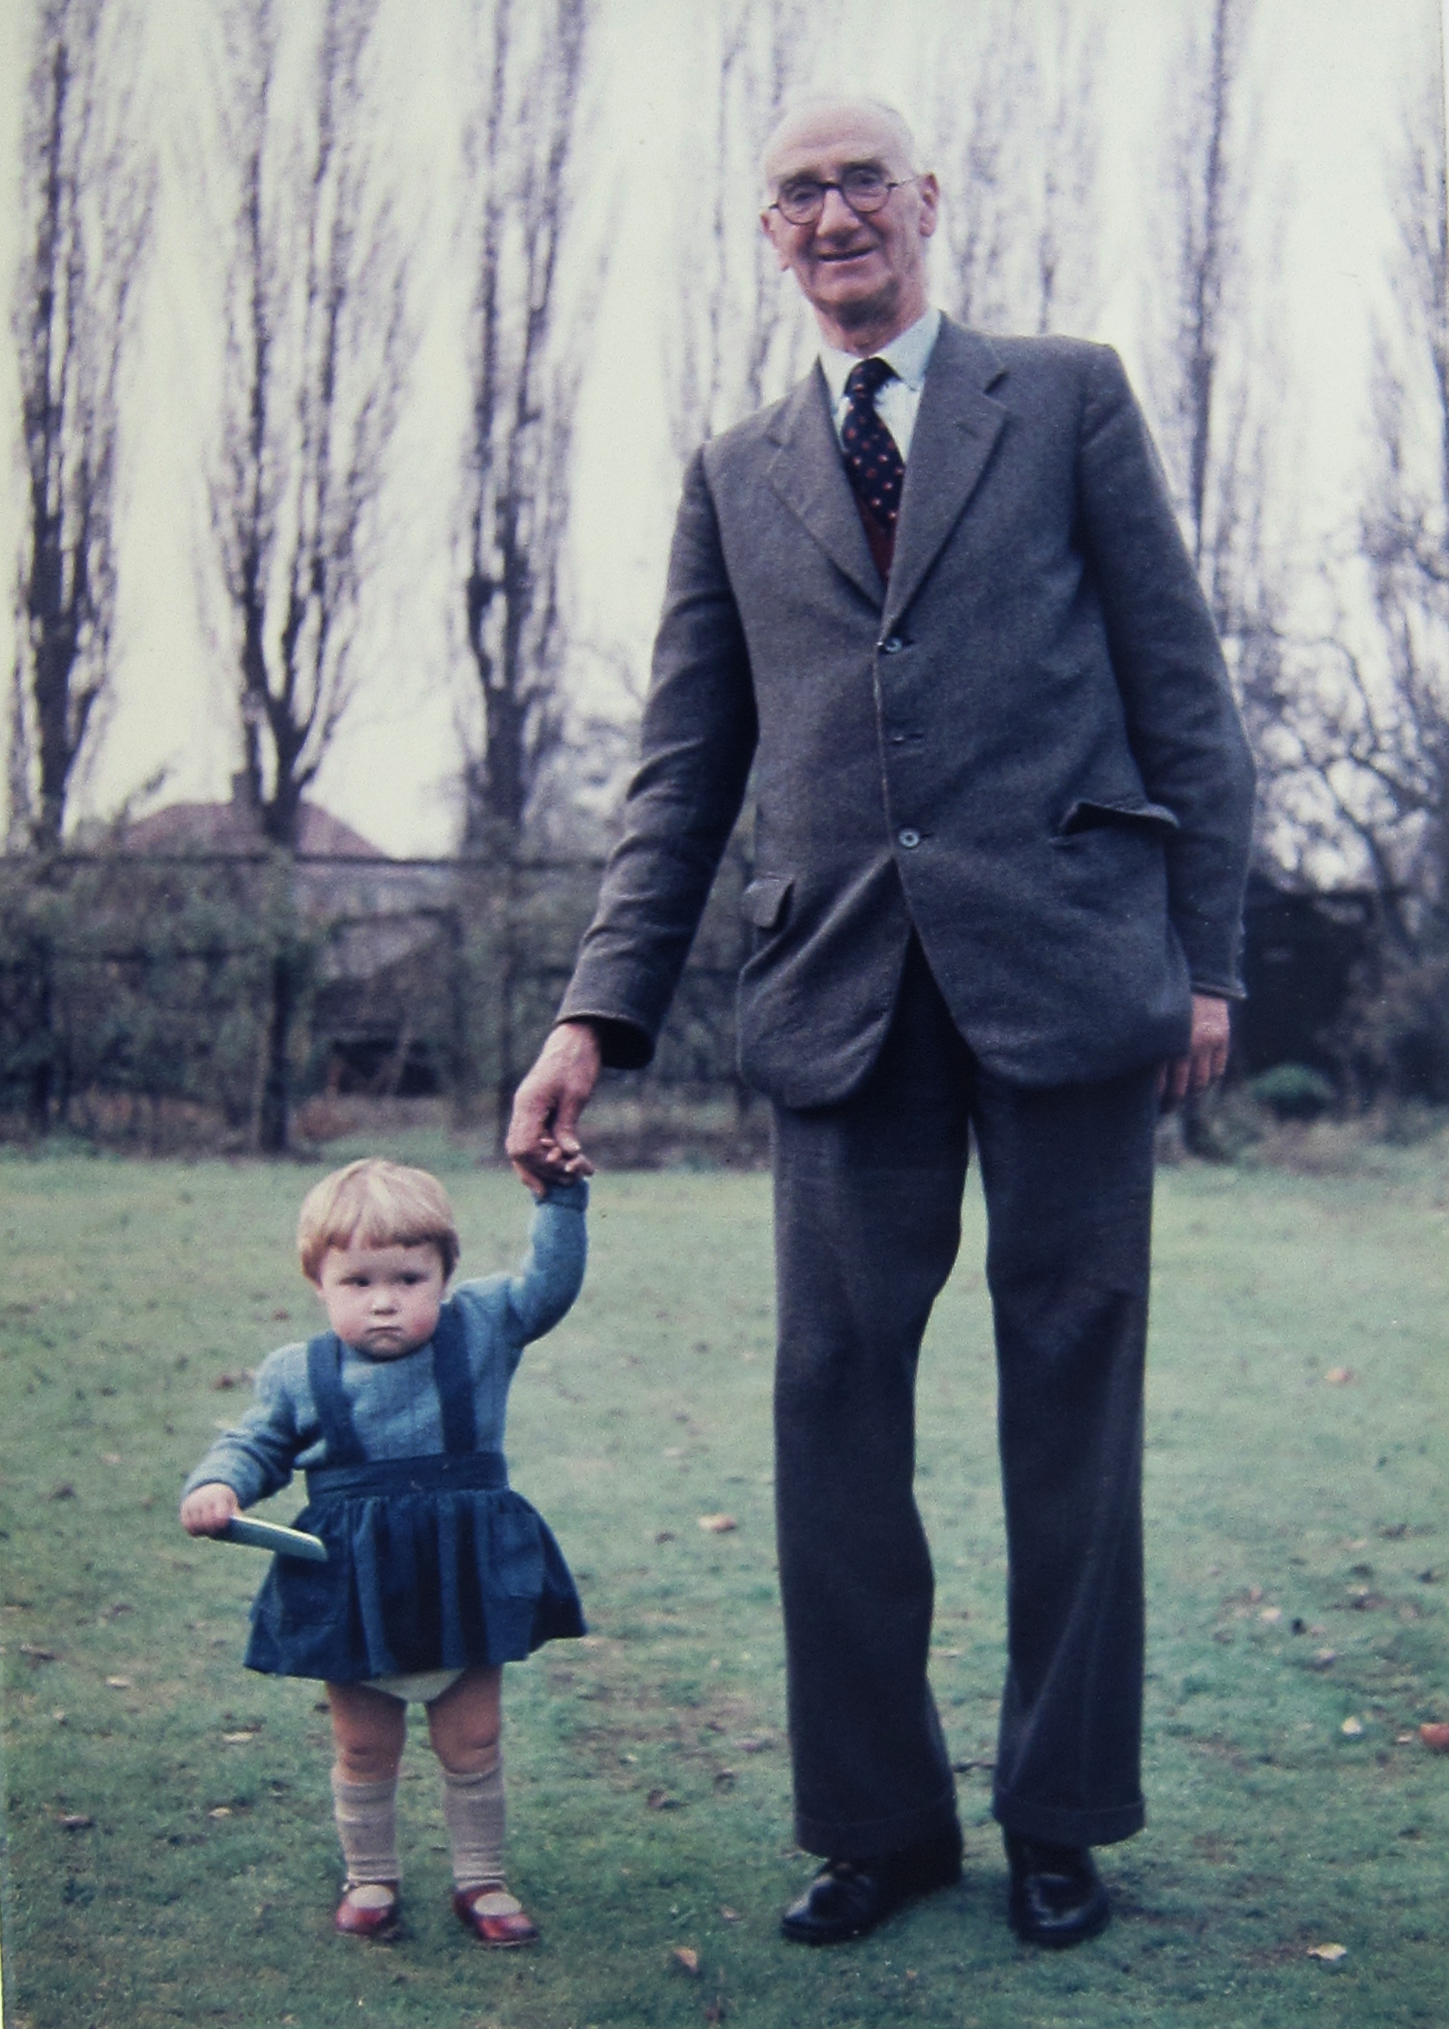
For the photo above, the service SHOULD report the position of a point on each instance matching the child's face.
(383, 1300)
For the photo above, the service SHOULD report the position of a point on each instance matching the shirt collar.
(908, 356)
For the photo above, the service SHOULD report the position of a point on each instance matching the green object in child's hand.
(272, 1536)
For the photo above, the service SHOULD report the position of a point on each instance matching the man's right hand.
(543, 1143)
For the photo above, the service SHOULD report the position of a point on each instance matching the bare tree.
(317, 348)
(87, 189)
(1367, 725)
(316, 352)
(526, 338)
(1015, 140)
(739, 333)
(1215, 377)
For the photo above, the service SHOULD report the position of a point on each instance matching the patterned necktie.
(876, 467)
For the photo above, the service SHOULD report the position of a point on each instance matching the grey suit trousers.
(867, 1222)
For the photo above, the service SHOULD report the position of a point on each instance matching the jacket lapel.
(808, 473)
(956, 430)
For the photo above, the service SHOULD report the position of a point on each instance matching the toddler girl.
(437, 1573)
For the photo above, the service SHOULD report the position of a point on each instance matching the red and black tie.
(876, 467)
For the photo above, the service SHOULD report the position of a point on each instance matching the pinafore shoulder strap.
(451, 1375)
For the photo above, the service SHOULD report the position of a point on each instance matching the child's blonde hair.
(373, 1203)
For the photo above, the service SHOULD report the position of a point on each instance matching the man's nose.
(835, 214)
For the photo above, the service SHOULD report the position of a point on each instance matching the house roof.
(232, 827)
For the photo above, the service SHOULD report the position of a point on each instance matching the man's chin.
(858, 309)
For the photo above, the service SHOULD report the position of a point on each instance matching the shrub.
(1293, 1092)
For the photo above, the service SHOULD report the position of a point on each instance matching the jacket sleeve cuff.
(623, 1045)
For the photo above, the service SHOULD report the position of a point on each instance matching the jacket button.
(908, 838)
(892, 645)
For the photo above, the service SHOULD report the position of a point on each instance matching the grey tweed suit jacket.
(1024, 745)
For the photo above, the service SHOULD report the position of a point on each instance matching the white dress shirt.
(896, 400)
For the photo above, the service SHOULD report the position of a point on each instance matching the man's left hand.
(1207, 1051)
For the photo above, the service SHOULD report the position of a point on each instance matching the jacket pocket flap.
(1085, 815)
(764, 901)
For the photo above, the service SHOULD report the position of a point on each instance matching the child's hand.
(207, 1510)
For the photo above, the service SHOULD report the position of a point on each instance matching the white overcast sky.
(1330, 77)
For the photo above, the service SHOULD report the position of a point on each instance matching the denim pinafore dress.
(433, 1562)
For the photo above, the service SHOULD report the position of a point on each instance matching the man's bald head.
(802, 121)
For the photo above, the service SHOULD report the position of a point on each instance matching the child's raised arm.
(552, 1272)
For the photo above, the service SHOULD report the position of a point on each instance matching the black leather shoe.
(1056, 1895)
(847, 1898)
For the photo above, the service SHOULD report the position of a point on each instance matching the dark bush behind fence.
(228, 988)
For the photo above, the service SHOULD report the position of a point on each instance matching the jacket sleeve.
(1182, 722)
(696, 745)
(255, 1457)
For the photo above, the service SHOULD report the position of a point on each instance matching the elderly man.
(937, 599)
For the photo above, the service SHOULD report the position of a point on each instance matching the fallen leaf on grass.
(1352, 1727)
(1338, 1377)
(76, 1821)
(1329, 1953)
(718, 1525)
(1435, 1736)
(37, 1654)
(714, 2011)
(110, 1458)
(64, 1492)
(221, 1811)
(1324, 1659)
(661, 1800)
(728, 1915)
(686, 1956)
(1272, 1615)
(239, 1739)
(119, 1683)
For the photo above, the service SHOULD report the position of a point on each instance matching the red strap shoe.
(367, 1909)
(495, 1917)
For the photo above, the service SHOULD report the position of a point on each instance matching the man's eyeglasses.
(802, 199)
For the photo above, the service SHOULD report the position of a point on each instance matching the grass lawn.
(171, 1854)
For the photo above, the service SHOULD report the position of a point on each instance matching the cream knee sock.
(473, 1806)
(366, 1814)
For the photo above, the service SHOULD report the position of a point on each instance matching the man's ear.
(769, 226)
(929, 191)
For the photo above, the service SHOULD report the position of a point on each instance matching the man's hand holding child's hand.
(207, 1510)
(543, 1142)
